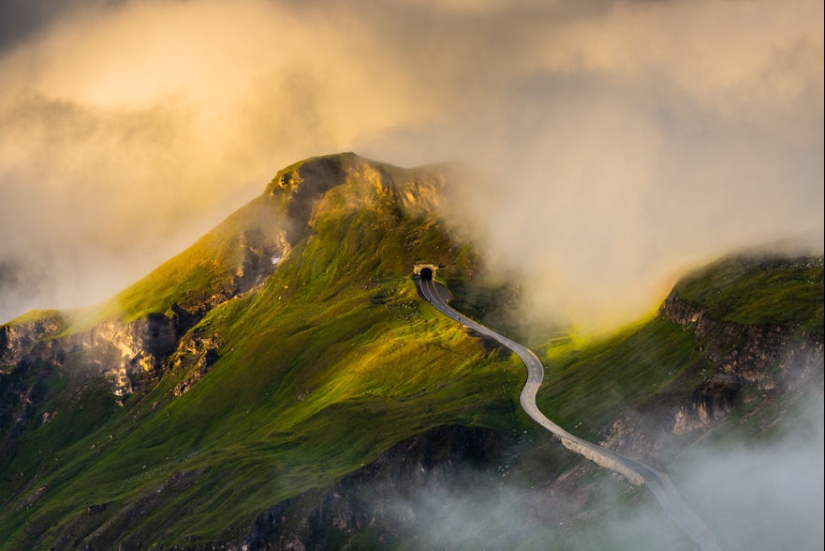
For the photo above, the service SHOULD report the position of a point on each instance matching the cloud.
(765, 495)
(20, 19)
(126, 133)
(615, 143)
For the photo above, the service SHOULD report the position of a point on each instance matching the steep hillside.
(316, 364)
(744, 328)
(280, 384)
(734, 348)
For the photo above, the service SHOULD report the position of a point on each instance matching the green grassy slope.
(760, 291)
(585, 388)
(333, 360)
(659, 359)
(328, 362)
(205, 269)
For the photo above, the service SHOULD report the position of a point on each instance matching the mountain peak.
(333, 185)
(316, 174)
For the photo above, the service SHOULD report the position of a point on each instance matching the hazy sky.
(614, 143)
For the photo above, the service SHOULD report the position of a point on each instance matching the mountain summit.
(294, 327)
(281, 385)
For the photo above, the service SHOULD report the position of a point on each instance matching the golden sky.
(614, 143)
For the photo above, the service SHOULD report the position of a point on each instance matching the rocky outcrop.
(730, 358)
(261, 254)
(303, 185)
(713, 400)
(121, 352)
(772, 357)
(195, 355)
(131, 356)
(18, 340)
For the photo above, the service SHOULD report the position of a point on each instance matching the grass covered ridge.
(760, 291)
(657, 360)
(330, 362)
(322, 365)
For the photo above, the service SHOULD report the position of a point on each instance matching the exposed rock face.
(195, 355)
(17, 341)
(134, 354)
(303, 186)
(771, 357)
(712, 401)
(261, 253)
(368, 497)
(116, 350)
(731, 357)
(748, 352)
(128, 355)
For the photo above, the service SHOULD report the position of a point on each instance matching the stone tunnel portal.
(425, 271)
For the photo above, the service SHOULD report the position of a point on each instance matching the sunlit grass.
(330, 362)
(333, 360)
(759, 291)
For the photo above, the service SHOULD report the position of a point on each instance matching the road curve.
(638, 473)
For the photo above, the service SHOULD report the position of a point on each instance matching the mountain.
(280, 384)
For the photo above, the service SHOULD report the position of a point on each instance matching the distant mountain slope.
(739, 328)
(255, 387)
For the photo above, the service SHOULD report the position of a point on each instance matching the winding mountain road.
(638, 473)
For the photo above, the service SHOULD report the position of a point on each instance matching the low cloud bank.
(762, 495)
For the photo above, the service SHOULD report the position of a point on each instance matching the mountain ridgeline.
(281, 385)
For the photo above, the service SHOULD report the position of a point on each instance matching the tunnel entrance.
(425, 272)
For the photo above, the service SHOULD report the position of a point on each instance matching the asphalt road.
(638, 473)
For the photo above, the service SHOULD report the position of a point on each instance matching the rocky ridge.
(731, 360)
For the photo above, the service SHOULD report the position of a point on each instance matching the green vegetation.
(204, 270)
(585, 388)
(37, 315)
(658, 360)
(330, 361)
(760, 291)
